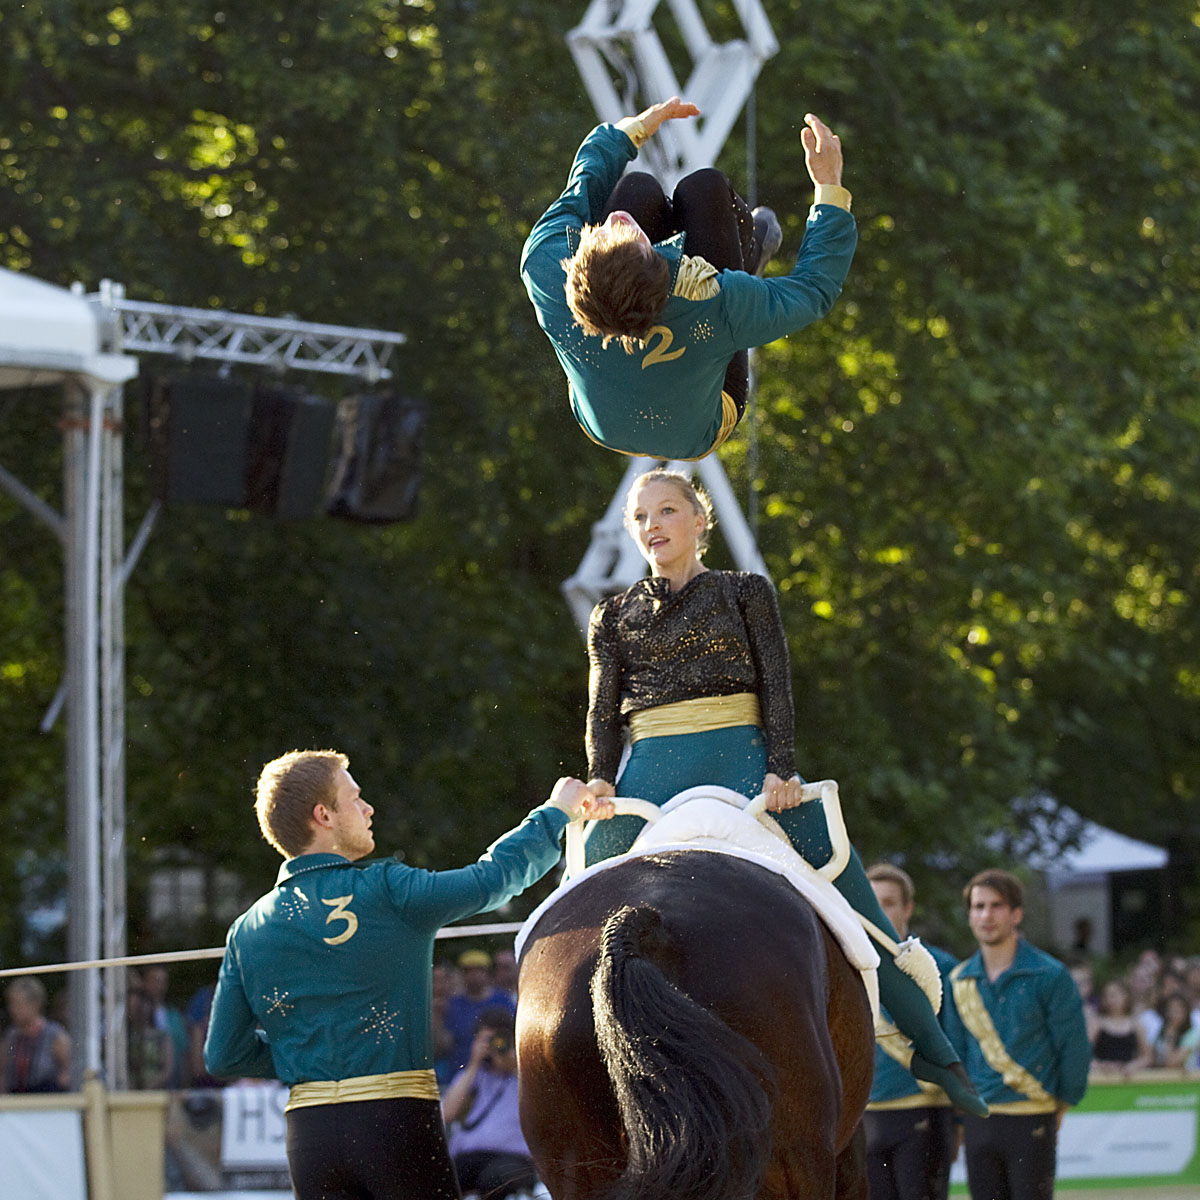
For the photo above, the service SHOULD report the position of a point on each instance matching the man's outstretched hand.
(822, 151)
(666, 110)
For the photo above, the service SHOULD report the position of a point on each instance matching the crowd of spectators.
(474, 1006)
(164, 1042)
(1146, 1017)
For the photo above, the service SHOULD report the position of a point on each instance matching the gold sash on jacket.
(898, 1047)
(978, 1020)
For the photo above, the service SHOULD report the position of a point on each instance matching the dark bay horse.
(689, 1030)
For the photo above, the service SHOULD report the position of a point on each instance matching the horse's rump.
(747, 955)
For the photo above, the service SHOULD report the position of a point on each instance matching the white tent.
(52, 336)
(1102, 852)
(48, 333)
(1083, 883)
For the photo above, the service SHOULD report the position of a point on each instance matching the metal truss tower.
(625, 67)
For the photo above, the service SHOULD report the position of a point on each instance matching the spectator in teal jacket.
(326, 981)
(645, 318)
(1016, 1018)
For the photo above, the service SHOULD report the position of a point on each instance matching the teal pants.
(661, 767)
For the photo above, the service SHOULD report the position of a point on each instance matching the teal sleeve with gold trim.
(760, 310)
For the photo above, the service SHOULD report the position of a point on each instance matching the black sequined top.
(720, 634)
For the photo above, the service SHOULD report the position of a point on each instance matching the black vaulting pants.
(370, 1150)
(1011, 1157)
(909, 1153)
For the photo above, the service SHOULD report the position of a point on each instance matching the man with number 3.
(326, 981)
(651, 302)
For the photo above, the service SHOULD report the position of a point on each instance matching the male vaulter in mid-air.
(651, 302)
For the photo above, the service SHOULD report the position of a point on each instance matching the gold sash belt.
(916, 1100)
(415, 1085)
(695, 716)
(1022, 1108)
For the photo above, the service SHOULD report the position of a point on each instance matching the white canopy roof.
(1102, 851)
(48, 333)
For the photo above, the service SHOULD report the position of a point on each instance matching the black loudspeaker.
(199, 426)
(377, 472)
(288, 453)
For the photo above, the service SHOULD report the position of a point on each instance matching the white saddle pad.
(711, 819)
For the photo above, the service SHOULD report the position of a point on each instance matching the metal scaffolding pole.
(112, 736)
(81, 583)
(99, 569)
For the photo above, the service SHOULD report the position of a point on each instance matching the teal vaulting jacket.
(1037, 1012)
(329, 975)
(665, 399)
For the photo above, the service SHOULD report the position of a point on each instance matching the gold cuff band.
(832, 193)
(695, 716)
(634, 130)
(414, 1085)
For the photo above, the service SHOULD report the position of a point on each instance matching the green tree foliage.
(954, 461)
(976, 478)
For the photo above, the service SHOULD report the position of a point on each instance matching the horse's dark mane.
(695, 1096)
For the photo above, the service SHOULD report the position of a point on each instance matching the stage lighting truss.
(278, 343)
(625, 68)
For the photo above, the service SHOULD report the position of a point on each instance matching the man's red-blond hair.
(289, 788)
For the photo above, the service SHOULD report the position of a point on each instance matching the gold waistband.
(1022, 1108)
(937, 1099)
(695, 716)
(415, 1085)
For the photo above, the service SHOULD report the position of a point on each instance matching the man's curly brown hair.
(616, 291)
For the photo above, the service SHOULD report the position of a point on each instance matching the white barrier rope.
(169, 956)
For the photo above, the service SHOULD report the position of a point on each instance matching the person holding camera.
(487, 1147)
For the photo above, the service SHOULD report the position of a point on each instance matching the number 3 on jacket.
(341, 913)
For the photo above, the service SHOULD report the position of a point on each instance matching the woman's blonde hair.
(289, 788)
(696, 496)
(615, 290)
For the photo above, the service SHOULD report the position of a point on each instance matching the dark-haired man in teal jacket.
(1016, 1018)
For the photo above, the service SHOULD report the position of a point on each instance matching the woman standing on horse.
(695, 662)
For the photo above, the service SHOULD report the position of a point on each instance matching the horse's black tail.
(695, 1096)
